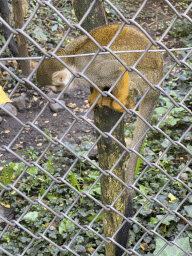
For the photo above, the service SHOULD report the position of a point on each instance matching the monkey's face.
(60, 79)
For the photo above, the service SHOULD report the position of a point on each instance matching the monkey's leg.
(121, 92)
(146, 111)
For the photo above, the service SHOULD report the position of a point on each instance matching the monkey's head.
(60, 79)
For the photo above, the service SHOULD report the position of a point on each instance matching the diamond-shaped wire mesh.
(57, 211)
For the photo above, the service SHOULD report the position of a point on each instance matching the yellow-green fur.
(130, 38)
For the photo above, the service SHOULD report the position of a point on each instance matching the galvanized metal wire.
(60, 140)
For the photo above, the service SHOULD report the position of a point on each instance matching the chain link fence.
(53, 218)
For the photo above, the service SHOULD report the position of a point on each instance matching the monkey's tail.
(123, 234)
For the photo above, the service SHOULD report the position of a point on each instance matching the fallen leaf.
(45, 225)
(90, 249)
(144, 246)
(52, 228)
(33, 64)
(71, 105)
(172, 197)
(16, 146)
(7, 131)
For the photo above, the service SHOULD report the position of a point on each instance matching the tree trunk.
(109, 151)
(21, 40)
(4, 10)
(95, 18)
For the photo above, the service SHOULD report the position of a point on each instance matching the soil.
(57, 123)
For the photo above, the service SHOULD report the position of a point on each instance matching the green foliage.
(173, 250)
(8, 171)
(60, 197)
(182, 29)
(174, 124)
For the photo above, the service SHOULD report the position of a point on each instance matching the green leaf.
(38, 33)
(32, 170)
(167, 220)
(188, 209)
(18, 167)
(140, 160)
(96, 189)
(143, 189)
(31, 216)
(165, 143)
(65, 225)
(74, 181)
(62, 227)
(54, 27)
(90, 218)
(154, 221)
(160, 111)
(172, 121)
(172, 250)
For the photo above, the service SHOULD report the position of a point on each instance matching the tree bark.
(109, 151)
(95, 18)
(4, 10)
(21, 40)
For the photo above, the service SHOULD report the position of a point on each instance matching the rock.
(7, 213)
(52, 95)
(128, 142)
(19, 103)
(56, 107)
(10, 108)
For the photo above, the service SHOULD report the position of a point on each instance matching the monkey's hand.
(102, 102)
(111, 103)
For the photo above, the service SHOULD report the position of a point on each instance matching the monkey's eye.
(106, 88)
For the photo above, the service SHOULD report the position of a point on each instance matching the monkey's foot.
(110, 103)
(117, 107)
(106, 102)
(102, 102)
(92, 99)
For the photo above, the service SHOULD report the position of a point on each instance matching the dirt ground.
(57, 123)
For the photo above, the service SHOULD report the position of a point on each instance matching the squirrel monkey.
(104, 72)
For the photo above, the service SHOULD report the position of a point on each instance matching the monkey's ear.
(109, 69)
